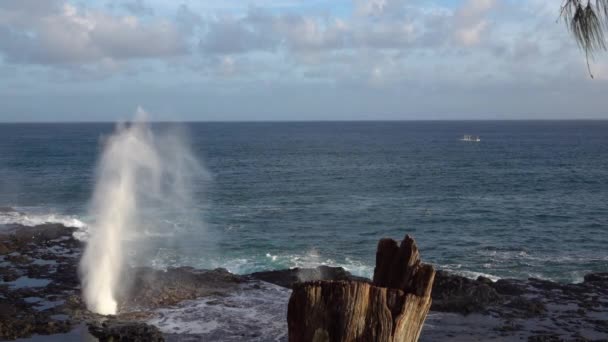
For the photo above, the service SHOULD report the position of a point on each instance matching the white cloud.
(476, 8)
(470, 21)
(227, 66)
(370, 7)
(470, 35)
(66, 34)
(377, 43)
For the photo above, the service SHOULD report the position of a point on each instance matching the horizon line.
(303, 121)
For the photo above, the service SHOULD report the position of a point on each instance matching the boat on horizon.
(473, 138)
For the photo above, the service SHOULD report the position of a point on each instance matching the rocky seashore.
(40, 300)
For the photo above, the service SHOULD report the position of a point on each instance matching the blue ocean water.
(530, 199)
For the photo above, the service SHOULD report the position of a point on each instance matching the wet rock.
(19, 320)
(452, 293)
(46, 285)
(8, 274)
(19, 259)
(508, 287)
(597, 278)
(528, 307)
(41, 233)
(512, 309)
(287, 278)
(153, 288)
(545, 338)
(117, 331)
(485, 280)
(5, 248)
(7, 310)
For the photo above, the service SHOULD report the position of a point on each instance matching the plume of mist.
(139, 173)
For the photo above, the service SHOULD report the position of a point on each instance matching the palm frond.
(587, 20)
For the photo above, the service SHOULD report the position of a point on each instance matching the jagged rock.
(393, 308)
(8, 274)
(41, 233)
(154, 288)
(574, 310)
(116, 331)
(545, 338)
(17, 320)
(508, 287)
(529, 307)
(452, 293)
(5, 248)
(597, 277)
(19, 259)
(485, 280)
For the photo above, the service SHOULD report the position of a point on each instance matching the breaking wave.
(12, 216)
(254, 312)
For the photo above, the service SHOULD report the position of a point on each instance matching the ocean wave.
(313, 258)
(245, 264)
(31, 219)
(11, 216)
(458, 270)
(525, 263)
(255, 312)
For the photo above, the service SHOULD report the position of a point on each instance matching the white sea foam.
(254, 312)
(31, 219)
(458, 270)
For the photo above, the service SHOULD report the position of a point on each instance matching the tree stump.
(391, 309)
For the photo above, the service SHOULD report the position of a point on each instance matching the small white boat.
(473, 138)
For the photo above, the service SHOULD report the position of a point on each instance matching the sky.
(260, 60)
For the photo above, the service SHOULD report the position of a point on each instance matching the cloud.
(34, 7)
(229, 35)
(375, 56)
(137, 7)
(187, 19)
(260, 30)
(470, 35)
(470, 21)
(61, 33)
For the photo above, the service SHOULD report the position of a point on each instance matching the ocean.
(529, 200)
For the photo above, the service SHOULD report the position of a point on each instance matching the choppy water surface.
(530, 199)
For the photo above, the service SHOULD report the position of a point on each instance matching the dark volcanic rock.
(16, 238)
(153, 288)
(8, 274)
(452, 293)
(43, 260)
(117, 331)
(534, 309)
(508, 287)
(528, 307)
(40, 264)
(286, 278)
(510, 309)
(546, 338)
(597, 277)
(5, 248)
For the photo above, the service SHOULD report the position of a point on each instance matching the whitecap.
(254, 312)
(30, 219)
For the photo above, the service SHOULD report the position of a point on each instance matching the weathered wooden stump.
(392, 308)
